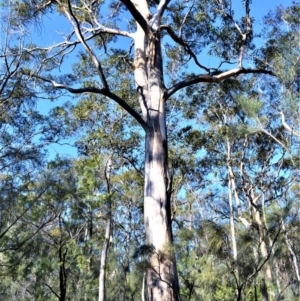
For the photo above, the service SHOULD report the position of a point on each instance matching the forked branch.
(244, 35)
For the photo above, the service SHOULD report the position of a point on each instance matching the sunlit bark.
(162, 282)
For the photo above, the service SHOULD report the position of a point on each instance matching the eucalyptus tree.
(249, 182)
(156, 40)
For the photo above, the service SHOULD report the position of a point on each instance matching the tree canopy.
(185, 117)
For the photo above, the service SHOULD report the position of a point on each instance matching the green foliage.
(251, 107)
(54, 214)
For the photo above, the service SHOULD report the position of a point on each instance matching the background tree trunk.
(103, 259)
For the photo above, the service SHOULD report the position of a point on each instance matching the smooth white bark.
(161, 278)
(230, 189)
(104, 251)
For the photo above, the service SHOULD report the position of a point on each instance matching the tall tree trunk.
(62, 253)
(161, 275)
(162, 279)
(267, 282)
(231, 190)
(103, 259)
(268, 293)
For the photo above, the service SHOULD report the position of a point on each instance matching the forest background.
(185, 120)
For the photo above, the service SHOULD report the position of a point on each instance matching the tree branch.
(136, 14)
(206, 78)
(287, 127)
(155, 20)
(244, 35)
(184, 19)
(51, 289)
(72, 18)
(181, 42)
(96, 90)
(23, 213)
